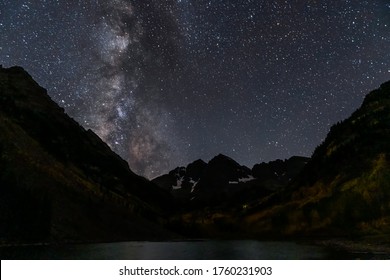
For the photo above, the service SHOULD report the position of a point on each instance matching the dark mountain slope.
(59, 182)
(345, 188)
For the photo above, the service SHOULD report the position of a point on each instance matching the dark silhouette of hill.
(59, 182)
(345, 187)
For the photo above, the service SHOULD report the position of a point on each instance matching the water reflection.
(184, 250)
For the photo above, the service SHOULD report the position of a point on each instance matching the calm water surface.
(184, 250)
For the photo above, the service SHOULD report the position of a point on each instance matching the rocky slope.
(59, 182)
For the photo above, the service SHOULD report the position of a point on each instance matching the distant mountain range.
(62, 183)
(222, 182)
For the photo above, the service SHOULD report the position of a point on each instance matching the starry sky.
(165, 82)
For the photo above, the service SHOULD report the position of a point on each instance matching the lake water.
(183, 250)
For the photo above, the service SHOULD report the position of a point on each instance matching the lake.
(183, 250)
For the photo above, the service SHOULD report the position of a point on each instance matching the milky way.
(168, 82)
(125, 112)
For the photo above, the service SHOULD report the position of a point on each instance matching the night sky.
(167, 82)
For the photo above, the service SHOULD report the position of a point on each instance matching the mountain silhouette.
(62, 183)
(345, 188)
(224, 183)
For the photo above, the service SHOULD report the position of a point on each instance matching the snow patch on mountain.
(178, 184)
(246, 179)
(243, 180)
